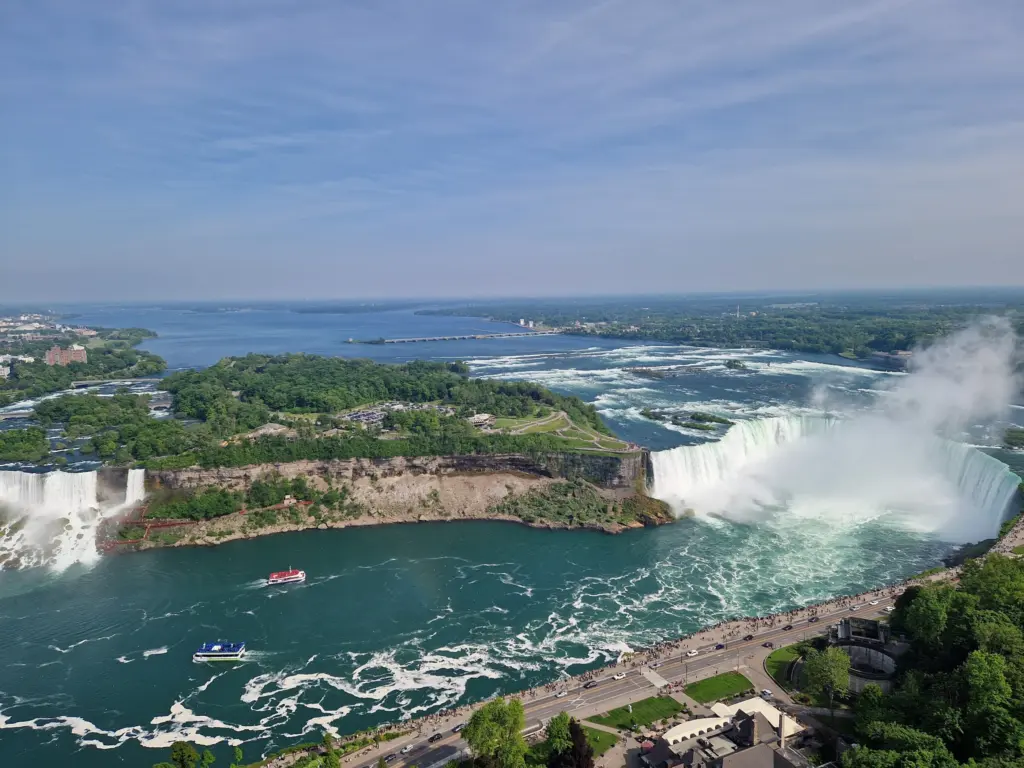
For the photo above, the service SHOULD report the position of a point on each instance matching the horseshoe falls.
(842, 473)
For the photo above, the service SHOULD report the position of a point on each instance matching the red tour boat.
(291, 576)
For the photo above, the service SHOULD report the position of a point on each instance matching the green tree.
(184, 755)
(582, 754)
(558, 733)
(206, 759)
(494, 732)
(925, 618)
(870, 705)
(238, 758)
(998, 582)
(331, 759)
(827, 673)
(985, 678)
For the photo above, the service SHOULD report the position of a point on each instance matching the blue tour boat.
(219, 651)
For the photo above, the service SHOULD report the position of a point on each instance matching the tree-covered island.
(280, 411)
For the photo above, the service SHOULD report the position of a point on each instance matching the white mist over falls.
(54, 518)
(897, 462)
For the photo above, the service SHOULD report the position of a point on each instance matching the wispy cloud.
(737, 144)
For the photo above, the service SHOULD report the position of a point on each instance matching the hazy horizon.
(285, 150)
(964, 295)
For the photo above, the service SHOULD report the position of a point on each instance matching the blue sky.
(372, 148)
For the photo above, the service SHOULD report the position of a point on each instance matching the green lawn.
(537, 755)
(549, 426)
(721, 686)
(510, 423)
(1018, 550)
(778, 663)
(644, 712)
(599, 740)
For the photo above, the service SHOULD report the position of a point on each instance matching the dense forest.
(23, 444)
(308, 393)
(242, 391)
(960, 692)
(851, 326)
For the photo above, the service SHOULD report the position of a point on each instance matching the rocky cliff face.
(610, 472)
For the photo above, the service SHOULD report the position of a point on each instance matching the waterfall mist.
(54, 518)
(896, 460)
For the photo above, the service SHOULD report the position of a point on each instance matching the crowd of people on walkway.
(722, 632)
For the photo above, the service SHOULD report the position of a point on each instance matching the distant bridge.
(467, 337)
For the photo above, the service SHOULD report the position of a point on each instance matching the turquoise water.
(393, 621)
(403, 620)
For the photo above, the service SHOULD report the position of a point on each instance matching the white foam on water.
(80, 642)
(155, 652)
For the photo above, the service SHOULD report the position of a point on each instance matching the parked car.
(458, 727)
(691, 653)
(590, 684)
(619, 676)
(812, 620)
(787, 628)
(435, 737)
(768, 644)
(749, 637)
(720, 646)
(561, 694)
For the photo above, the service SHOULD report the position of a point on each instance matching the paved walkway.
(695, 706)
(655, 679)
(599, 727)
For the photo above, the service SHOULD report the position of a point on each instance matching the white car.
(619, 676)
(561, 694)
(766, 694)
(406, 749)
(890, 608)
(691, 654)
(873, 602)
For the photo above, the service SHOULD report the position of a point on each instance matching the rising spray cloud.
(896, 461)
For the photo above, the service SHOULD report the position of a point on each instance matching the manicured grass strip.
(778, 663)
(718, 687)
(1018, 550)
(644, 712)
(601, 741)
(537, 755)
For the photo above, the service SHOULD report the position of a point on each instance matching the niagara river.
(398, 621)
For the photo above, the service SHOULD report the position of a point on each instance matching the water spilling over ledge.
(53, 518)
(839, 473)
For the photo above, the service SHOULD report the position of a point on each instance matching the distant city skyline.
(304, 149)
